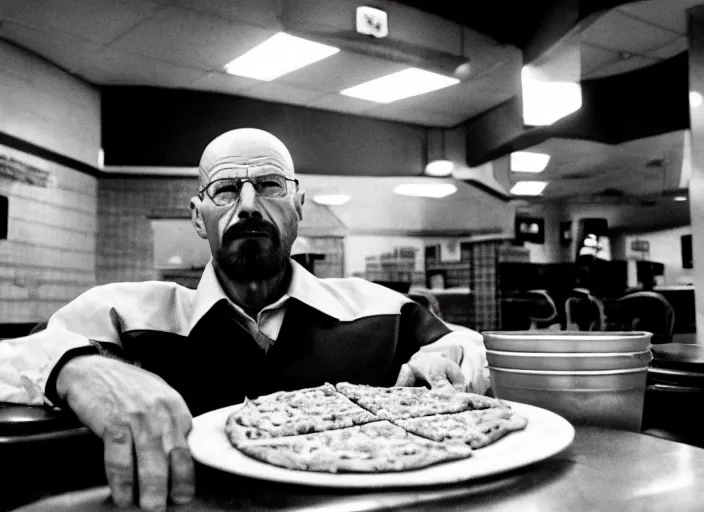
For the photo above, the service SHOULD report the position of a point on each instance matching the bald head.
(246, 149)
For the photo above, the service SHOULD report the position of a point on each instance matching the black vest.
(219, 363)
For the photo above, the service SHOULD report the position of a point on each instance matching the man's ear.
(298, 201)
(197, 217)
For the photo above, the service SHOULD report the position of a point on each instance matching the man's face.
(251, 235)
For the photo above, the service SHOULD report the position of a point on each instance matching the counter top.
(602, 470)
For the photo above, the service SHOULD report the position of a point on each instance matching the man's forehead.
(245, 151)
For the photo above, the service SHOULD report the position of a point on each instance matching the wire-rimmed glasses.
(226, 191)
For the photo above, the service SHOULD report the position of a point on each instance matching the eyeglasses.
(227, 190)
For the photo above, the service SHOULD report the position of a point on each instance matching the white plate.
(546, 434)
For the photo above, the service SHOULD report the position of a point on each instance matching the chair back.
(647, 311)
(584, 312)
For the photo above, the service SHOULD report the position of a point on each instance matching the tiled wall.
(125, 248)
(478, 270)
(49, 255)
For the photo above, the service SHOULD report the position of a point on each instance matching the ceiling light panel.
(402, 84)
(280, 54)
(527, 161)
(528, 188)
(434, 190)
(331, 199)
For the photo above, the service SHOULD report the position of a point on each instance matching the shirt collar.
(304, 287)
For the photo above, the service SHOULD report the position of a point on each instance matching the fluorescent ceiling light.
(544, 102)
(680, 198)
(525, 161)
(435, 190)
(399, 85)
(439, 168)
(278, 55)
(695, 99)
(528, 188)
(331, 199)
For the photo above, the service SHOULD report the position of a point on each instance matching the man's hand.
(432, 368)
(143, 423)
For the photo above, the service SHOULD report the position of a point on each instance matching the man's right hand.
(143, 423)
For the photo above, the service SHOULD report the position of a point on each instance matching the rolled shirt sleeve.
(26, 363)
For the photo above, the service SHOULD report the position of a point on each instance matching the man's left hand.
(434, 369)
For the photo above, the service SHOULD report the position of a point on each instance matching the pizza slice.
(476, 428)
(289, 413)
(406, 402)
(373, 447)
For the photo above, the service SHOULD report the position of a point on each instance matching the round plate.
(545, 435)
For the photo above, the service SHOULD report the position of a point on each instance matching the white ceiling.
(186, 43)
(581, 169)
(634, 35)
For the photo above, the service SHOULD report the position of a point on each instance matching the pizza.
(290, 413)
(475, 428)
(375, 447)
(360, 428)
(407, 402)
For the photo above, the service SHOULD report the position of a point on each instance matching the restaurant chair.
(545, 315)
(646, 311)
(584, 312)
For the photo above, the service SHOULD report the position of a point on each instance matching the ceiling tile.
(661, 13)
(592, 58)
(618, 32)
(99, 21)
(423, 29)
(671, 49)
(223, 82)
(8, 8)
(116, 67)
(340, 71)
(261, 13)
(620, 66)
(64, 50)
(281, 93)
(190, 38)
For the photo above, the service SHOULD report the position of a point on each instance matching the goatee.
(254, 259)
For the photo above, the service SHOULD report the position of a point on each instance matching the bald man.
(134, 361)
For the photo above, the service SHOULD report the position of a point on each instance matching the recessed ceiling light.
(278, 55)
(331, 199)
(434, 190)
(528, 188)
(544, 101)
(680, 198)
(439, 168)
(399, 85)
(695, 99)
(526, 161)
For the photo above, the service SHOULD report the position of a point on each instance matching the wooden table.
(602, 470)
